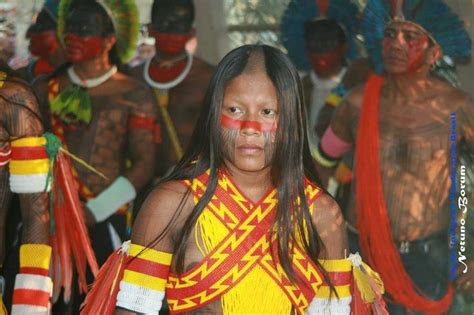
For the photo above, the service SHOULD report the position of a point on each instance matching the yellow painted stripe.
(35, 255)
(342, 291)
(143, 280)
(29, 142)
(333, 99)
(150, 254)
(336, 265)
(26, 167)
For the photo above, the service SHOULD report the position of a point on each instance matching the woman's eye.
(234, 110)
(269, 112)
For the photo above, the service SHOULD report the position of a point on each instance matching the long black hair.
(291, 163)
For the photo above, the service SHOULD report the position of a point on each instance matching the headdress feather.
(435, 16)
(300, 11)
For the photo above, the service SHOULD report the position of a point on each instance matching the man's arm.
(23, 120)
(141, 144)
(338, 137)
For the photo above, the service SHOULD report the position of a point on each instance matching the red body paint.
(42, 44)
(80, 48)
(325, 62)
(231, 123)
(169, 43)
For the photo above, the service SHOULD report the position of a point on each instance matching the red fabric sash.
(372, 218)
(246, 246)
(58, 130)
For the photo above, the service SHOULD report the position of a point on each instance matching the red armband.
(141, 122)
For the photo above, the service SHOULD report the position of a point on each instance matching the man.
(401, 126)
(20, 119)
(101, 115)
(44, 43)
(319, 37)
(178, 79)
(231, 230)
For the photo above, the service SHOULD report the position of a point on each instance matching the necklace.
(90, 83)
(170, 84)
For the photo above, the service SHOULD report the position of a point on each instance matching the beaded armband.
(29, 165)
(33, 286)
(142, 288)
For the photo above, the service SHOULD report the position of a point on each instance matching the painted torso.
(185, 101)
(414, 162)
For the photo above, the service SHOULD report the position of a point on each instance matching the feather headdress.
(299, 11)
(434, 16)
(125, 18)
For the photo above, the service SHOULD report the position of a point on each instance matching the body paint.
(171, 43)
(80, 48)
(42, 44)
(231, 129)
(230, 123)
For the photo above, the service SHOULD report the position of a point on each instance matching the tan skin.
(414, 142)
(17, 122)
(251, 97)
(107, 141)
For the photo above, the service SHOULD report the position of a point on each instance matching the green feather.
(73, 105)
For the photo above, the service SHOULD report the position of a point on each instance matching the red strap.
(147, 267)
(185, 288)
(31, 297)
(141, 122)
(34, 271)
(29, 153)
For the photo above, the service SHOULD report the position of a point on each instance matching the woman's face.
(249, 121)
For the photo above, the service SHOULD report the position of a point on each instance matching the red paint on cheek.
(323, 62)
(169, 43)
(43, 44)
(231, 123)
(416, 49)
(83, 48)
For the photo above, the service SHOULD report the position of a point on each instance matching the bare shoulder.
(330, 225)
(326, 210)
(17, 92)
(355, 96)
(163, 211)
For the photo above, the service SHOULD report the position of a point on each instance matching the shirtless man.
(180, 78)
(20, 118)
(401, 126)
(114, 121)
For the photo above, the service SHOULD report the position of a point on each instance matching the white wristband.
(120, 192)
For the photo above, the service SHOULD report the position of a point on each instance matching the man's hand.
(465, 281)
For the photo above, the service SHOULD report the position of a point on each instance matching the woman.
(239, 225)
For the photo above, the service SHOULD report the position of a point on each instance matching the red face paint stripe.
(230, 123)
(147, 267)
